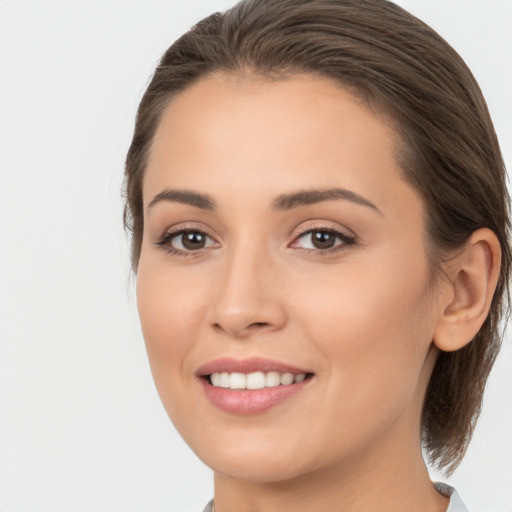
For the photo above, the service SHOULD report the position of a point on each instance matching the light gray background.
(81, 427)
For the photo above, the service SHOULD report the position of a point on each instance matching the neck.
(402, 487)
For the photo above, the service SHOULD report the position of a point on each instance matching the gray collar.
(456, 504)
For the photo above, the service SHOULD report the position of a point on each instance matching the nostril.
(243, 331)
(258, 324)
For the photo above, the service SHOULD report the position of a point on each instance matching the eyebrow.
(186, 197)
(306, 197)
(281, 203)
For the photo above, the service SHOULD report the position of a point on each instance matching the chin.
(264, 469)
(258, 460)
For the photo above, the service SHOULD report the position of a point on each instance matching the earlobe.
(473, 278)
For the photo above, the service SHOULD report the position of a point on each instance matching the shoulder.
(209, 507)
(456, 504)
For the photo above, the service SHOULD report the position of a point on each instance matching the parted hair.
(449, 152)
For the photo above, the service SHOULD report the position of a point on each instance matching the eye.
(185, 241)
(323, 240)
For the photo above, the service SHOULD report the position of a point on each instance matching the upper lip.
(250, 365)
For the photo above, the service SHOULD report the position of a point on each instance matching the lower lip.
(250, 401)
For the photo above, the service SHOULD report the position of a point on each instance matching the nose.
(247, 298)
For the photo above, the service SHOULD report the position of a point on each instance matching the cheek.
(169, 309)
(374, 330)
(369, 302)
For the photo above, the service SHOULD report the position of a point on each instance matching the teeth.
(216, 377)
(224, 380)
(256, 380)
(272, 379)
(238, 381)
(287, 379)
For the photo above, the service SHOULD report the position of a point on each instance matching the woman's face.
(279, 238)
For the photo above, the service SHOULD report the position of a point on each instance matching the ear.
(473, 276)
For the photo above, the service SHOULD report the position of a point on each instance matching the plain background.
(81, 426)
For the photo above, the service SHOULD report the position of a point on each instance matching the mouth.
(251, 386)
(255, 380)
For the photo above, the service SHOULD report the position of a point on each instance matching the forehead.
(256, 108)
(255, 133)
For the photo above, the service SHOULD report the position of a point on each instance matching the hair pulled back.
(403, 69)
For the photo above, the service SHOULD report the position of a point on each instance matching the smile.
(255, 380)
(251, 386)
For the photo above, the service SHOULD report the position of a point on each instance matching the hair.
(402, 68)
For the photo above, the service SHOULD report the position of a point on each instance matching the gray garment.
(209, 507)
(456, 504)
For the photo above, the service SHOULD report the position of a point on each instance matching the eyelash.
(166, 239)
(347, 240)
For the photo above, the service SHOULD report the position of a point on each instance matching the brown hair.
(399, 66)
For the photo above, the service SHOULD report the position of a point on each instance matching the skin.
(362, 318)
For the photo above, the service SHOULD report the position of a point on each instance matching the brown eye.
(322, 239)
(186, 241)
(192, 240)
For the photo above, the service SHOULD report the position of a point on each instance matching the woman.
(320, 236)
